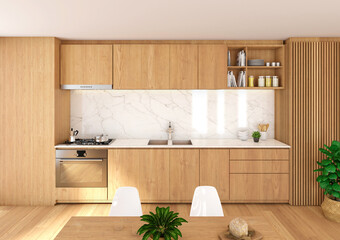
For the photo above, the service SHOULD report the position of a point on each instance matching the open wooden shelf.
(269, 53)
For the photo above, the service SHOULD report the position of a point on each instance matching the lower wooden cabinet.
(171, 175)
(145, 169)
(214, 170)
(259, 187)
(184, 173)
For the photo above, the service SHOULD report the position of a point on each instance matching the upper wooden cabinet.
(212, 67)
(183, 66)
(141, 66)
(86, 65)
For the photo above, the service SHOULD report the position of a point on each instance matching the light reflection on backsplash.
(194, 113)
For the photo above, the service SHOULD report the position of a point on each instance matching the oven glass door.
(81, 172)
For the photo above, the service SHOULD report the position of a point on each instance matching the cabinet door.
(139, 66)
(154, 175)
(184, 173)
(145, 169)
(86, 64)
(212, 67)
(214, 170)
(183, 66)
(259, 187)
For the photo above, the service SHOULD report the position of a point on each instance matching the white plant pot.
(263, 136)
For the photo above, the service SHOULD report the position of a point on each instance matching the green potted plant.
(162, 225)
(330, 180)
(256, 136)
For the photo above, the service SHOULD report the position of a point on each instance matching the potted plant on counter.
(330, 180)
(162, 225)
(256, 136)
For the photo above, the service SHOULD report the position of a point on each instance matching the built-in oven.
(81, 168)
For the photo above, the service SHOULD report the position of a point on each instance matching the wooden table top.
(125, 228)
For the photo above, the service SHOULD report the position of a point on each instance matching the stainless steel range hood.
(85, 87)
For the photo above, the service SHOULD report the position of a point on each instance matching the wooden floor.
(290, 222)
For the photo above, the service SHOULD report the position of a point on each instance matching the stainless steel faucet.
(170, 131)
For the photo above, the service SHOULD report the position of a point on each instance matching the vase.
(331, 209)
(256, 139)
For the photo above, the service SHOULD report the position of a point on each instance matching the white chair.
(206, 203)
(126, 203)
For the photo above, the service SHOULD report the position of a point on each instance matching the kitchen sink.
(158, 142)
(166, 142)
(181, 142)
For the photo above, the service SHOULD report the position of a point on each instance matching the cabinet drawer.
(259, 187)
(259, 154)
(81, 194)
(255, 166)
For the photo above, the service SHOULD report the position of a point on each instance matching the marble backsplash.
(194, 113)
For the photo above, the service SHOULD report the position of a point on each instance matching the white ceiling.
(170, 19)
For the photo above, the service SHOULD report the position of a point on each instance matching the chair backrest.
(126, 203)
(206, 203)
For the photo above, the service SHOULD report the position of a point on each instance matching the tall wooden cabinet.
(32, 109)
(86, 64)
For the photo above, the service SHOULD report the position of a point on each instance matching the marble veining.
(210, 114)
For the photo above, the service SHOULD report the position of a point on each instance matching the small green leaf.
(319, 170)
(319, 178)
(324, 185)
(332, 176)
(324, 151)
(335, 194)
(330, 168)
(336, 187)
(326, 162)
(336, 144)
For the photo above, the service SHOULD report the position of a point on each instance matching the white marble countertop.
(196, 143)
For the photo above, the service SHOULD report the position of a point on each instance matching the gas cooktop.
(89, 141)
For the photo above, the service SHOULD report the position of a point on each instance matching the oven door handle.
(81, 161)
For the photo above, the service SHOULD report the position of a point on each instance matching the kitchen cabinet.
(30, 114)
(183, 66)
(171, 175)
(212, 66)
(145, 169)
(259, 187)
(214, 170)
(184, 174)
(259, 175)
(141, 66)
(86, 65)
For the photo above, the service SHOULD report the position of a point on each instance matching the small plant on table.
(162, 225)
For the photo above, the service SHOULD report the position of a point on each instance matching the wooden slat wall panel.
(315, 88)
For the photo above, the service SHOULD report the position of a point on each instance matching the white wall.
(194, 113)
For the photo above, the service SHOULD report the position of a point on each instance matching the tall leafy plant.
(330, 169)
(163, 224)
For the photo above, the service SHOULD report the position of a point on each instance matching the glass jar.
(275, 81)
(268, 81)
(251, 81)
(260, 81)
